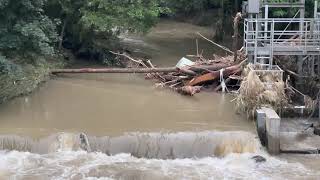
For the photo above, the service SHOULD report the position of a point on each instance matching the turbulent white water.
(83, 165)
(230, 157)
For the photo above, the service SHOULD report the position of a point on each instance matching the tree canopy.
(39, 27)
(25, 29)
(30, 26)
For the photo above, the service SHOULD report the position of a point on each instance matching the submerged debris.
(189, 90)
(259, 159)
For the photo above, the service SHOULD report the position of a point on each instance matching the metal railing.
(283, 3)
(276, 36)
(261, 70)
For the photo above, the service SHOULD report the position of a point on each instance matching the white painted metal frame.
(272, 40)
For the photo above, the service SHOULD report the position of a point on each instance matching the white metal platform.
(264, 38)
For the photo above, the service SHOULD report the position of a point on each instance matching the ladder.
(263, 57)
(263, 47)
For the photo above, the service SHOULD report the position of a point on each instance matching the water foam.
(203, 155)
(84, 165)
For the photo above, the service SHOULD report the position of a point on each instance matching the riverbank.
(20, 79)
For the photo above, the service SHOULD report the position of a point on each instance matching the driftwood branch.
(152, 66)
(130, 58)
(218, 45)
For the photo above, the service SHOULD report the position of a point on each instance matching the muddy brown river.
(119, 126)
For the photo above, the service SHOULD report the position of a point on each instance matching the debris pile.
(261, 88)
(190, 77)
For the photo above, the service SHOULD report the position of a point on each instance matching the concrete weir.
(268, 126)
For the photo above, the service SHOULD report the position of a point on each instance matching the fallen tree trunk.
(215, 75)
(114, 70)
(192, 69)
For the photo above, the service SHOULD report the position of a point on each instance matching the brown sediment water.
(111, 104)
(132, 130)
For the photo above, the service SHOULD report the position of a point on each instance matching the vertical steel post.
(301, 28)
(256, 42)
(271, 44)
(315, 37)
(302, 14)
(315, 9)
(250, 36)
(266, 16)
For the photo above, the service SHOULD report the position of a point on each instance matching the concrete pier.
(268, 122)
(261, 126)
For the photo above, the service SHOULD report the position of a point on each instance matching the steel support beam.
(284, 5)
(315, 9)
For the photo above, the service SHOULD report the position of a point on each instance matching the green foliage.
(290, 12)
(18, 80)
(113, 15)
(189, 6)
(24, 28)
(83, 22)
(8, 67)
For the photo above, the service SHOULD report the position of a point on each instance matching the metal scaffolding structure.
(264, 43)
(266, 37)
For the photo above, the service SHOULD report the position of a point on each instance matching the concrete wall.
(268, 122)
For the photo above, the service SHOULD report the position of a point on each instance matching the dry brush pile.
(261, 88)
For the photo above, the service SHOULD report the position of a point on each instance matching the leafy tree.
(69, 13)
(114, 15)
(25, 29)
(85, 21)
(187, 6)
